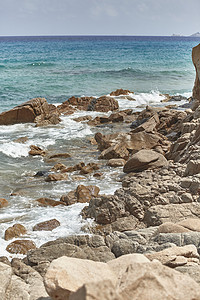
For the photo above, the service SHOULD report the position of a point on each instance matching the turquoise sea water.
(59, 67)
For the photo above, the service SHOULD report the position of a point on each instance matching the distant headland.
(196, 34)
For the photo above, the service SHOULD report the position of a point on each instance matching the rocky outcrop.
(82, 194)
(19, 281)
(119, 92)
(126, 278)
(83, 246)
(101, 104)
(145, 159)
(36, 110)
(196, 62)
(65, 275)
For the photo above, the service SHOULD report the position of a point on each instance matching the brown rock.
(82, 194)
(58, 167)
(116, 162)
(20, 246)
(98, 175)
(119, 92)
(47, 225)
(78, 178)
(3, 202)
(60, 155)
(26, 112)
(85, 193)
(57, 177)
(84, 118)
(116, 151)
(49, 202)
(148, 126)
(35, 150)
(45, 120)
(104, 104)
(89, 168)
(196, 62)
(117, 117)
(145, 159)
(15, 231)
(69, 199)
(65, 108)
(143, 140)
(81, 103)
(76, 167)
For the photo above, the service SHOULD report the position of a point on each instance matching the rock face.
(28, 112)
(65, 275)
(83, 246)
(82, 194)
(101, 104)
(196, 62)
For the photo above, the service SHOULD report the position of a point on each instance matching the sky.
(99, 17)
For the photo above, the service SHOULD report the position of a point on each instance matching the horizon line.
(101, 35)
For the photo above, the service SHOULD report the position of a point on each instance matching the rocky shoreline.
(144, 241)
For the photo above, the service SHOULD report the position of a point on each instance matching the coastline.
(97, 183)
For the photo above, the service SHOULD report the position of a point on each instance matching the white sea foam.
(69, 218)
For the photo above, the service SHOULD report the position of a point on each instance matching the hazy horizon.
(91, 17)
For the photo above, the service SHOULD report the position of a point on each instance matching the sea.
(56, 68)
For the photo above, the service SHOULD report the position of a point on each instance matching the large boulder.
(83, 246)
(65, 275)
(145, 159)
(196, 62)
(128, 277)
(28, 112)
(15, 231)
(103, 104)
(95, 291)
(154, 281)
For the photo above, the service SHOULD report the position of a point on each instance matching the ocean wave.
(41, 64)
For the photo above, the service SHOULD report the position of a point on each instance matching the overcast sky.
(85, 17)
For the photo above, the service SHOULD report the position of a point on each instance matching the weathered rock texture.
(20, 282)
(101, 104)
(36, 110)
(196, 62)
(130, 278)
